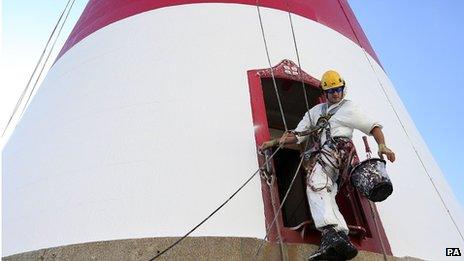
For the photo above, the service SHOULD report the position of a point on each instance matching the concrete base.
(192, 248)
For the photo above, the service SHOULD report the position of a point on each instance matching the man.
(327, 155)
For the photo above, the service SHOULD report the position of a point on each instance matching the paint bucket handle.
(366, 146)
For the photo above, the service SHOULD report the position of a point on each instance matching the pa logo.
(453, 251)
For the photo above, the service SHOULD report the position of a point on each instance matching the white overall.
(321, 191)
(321, 188)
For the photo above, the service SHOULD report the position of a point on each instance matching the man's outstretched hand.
(269, 144)
(383, 149)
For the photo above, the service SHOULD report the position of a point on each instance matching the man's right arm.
(383, 149)
(289, 138)
(286, 139)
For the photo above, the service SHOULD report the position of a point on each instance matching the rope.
(35, 69)
(371, 204)
(48, 56)
(276, 215)
(270, 67)
(297, 56)
(281, 204)
(404, 129)
(216, 210)
(279, 234)
(311, 131)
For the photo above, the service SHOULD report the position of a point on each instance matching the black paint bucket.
(370, 178)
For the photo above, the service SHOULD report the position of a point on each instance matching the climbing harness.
(327, 152)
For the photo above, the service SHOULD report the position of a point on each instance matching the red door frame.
(375, 240)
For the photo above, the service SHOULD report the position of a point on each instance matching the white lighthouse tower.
(151, 116)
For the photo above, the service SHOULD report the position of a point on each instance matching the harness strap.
(326, 115)
(324, 155)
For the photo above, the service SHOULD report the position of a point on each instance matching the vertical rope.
(46, 59)
(279, 234)
(377, 228)
(297, 56)
(283, 202)
(35, 69)
(270, 66)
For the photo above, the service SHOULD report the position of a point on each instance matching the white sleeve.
(304, 124)
(355, 118)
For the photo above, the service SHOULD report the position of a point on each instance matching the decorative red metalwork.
(287, 69)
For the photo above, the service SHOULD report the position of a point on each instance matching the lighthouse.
(151, 118)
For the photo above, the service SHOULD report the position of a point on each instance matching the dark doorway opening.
(295, 210)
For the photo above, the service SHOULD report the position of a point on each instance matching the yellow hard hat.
(331, 79)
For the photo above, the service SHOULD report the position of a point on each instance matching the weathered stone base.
(192, 248)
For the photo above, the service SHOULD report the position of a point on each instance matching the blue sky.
(419, 43)
(25, 28)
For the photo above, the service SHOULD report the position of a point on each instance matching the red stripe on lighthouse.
(335, 14)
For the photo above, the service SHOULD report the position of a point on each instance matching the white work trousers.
(321, 192)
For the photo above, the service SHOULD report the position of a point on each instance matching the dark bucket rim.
(367, 160)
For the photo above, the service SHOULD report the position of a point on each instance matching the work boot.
(329, 243)
(347, 250)
(334, 246)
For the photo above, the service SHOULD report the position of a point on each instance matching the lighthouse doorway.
(295, 210)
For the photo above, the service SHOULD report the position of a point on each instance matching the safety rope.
(18, 103)
(403, 127)
(276, 215)
(273, 203)
(377, 228)
(286, 129)
(46, 59)
(283, 118)
(279, 102)
(271, 185)
(297, 56)
(216, 210)
(270, 66)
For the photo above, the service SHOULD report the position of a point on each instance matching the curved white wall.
(144, 127)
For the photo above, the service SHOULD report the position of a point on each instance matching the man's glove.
(383, 149)
(269, 144)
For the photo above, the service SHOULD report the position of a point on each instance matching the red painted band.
(335, 14)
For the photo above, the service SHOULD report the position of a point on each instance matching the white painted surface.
(144, 127)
